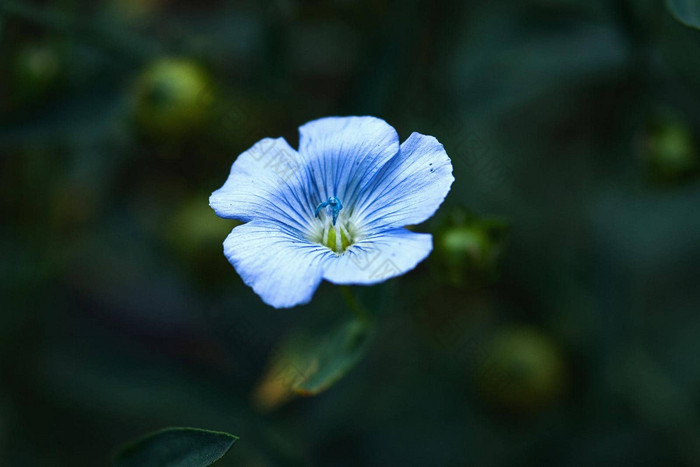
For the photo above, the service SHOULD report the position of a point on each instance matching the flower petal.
(344, 153)
(283, 269)
(268, 181)
(409, 188)
(378, 257)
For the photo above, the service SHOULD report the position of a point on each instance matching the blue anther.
(335, 205)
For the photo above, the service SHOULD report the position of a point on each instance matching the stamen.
(335, 205)
(337, 236)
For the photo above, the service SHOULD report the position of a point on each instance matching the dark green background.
(119, 314)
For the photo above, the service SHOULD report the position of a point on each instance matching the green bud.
(37, 71)
(173, 97)
(670, 151)
(522, 370)
(469, 248)
(133, 11)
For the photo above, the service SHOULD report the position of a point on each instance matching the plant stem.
(359, 312)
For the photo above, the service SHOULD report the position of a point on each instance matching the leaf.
(686, 11)
(176, 447)
(307, 364)
(332, 357)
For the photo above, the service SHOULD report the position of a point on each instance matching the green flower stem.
(359, 312)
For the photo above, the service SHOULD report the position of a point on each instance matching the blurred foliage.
(573, 128)
(686, 11)
(184, 447)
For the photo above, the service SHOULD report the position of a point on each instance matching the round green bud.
(37, 70)
(173, 97)
(468, 248)
(521, 370)
(133, 11)
(670, 151)
(464, 244)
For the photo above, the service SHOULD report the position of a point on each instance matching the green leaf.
(329, 359)
(686, 11)
(307, 364)
(176, 447)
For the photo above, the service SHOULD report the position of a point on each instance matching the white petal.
(378, 257)
(409, 188)
(344, 153)
(282, 268)
(268, 181)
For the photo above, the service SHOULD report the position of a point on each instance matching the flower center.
(332, 230)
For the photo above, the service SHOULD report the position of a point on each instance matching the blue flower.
(334, 210)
